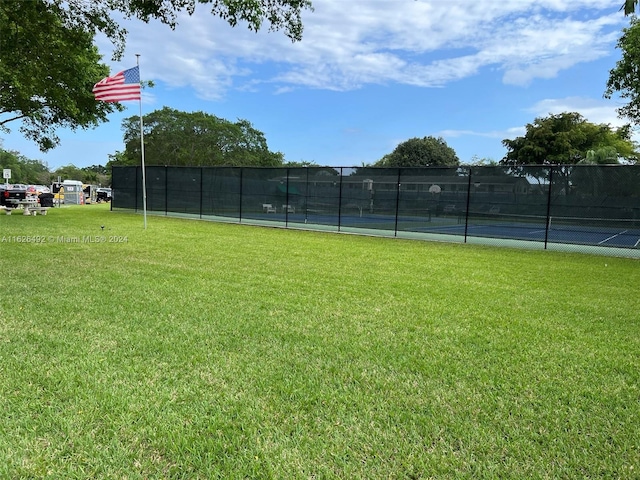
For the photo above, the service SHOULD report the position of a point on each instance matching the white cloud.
(594, 111)
(348, 44)
(495, 134)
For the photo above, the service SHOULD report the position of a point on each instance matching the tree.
(89, 175)
(600, 156)
(629, 6)
(47, 71)
(96, 169)
(172, 137)
(49, 64)
(95, 175)
(300, 164)
(24, 170)
(625, 77)
(565, 140)
(421, 152)
(69, 172)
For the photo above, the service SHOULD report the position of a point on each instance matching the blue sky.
(369, 74)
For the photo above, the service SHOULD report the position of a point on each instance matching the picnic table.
(30, 206)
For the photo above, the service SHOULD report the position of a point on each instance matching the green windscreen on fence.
(563, 204)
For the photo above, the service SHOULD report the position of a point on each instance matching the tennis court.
(622, 233)
(619, 233)
(580, 207)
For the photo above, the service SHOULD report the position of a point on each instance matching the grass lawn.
(203, 350)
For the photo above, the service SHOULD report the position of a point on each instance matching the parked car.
(38, 189)
(12, 195)
(103, 195)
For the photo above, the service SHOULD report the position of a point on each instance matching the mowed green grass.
(202, 350)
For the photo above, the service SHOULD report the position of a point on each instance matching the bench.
(288, 209)
(268, 208)
(29, 210)
(35, 210)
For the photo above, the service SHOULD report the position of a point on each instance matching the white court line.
(612, 236)
(637, 243)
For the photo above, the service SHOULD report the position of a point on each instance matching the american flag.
(122, 86)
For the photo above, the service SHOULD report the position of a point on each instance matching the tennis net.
(591, 224)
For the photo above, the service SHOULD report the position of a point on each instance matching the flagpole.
(144, 181)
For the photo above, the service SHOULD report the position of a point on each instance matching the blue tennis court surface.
(598, 233)
(583, 231)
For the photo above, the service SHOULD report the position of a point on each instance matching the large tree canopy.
(421, 152)
(567, 138)
(49, 63)
(47, 71)
(172, 137)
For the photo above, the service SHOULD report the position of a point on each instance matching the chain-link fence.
(593, 207)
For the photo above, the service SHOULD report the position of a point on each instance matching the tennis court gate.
(589, 205)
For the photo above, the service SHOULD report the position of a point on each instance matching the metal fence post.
(306, 197)
(201, 193)
(548, 219)
(286, 196)
(340, 201)
(395, 232)
(466, 213)
(240, 196)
